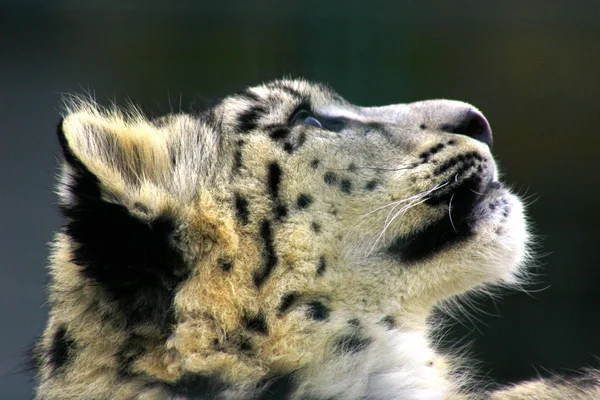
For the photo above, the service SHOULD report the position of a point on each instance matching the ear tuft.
(121, 151)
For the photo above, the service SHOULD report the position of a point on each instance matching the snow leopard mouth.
(463, 202)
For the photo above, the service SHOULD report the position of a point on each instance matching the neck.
(378, 361)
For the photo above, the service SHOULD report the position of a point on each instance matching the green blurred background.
(531, 66)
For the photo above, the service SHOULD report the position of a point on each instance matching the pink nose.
(472, 124)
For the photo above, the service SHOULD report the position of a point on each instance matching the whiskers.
(450, 213)
(398, 209)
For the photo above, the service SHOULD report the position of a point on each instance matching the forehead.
(301, 90)
(277, 100)
(289, 93)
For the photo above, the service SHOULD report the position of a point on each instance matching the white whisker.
(481, 194)
(397, 202)
(450, 213)
(388, 223)
(413, 201)
(408, 199)
(403, 211)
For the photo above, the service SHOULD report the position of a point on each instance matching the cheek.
(496, 253)
(256, 153)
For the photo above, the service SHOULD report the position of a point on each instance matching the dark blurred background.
(532, 67)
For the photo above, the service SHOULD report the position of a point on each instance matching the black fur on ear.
(134, 260)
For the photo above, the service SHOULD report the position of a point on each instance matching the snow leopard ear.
(121, 153)
(118, 215)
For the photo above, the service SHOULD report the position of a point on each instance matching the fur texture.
(283, 244)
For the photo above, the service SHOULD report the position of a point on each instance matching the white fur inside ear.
(115, 148)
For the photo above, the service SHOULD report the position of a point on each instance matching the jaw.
(488, 247)
(485, 246)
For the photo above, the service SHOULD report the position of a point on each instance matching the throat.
(395, 365)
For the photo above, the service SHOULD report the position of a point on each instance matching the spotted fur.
(283, 244)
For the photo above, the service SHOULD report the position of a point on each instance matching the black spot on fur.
(291, 91)
(315, 227)
(372, 185)
(256, 323)
(61, 348)
(269, 256)
(279, 133)
(431, 151)
(281, 211)
(278, 388)
(301, 140)
(225, 265)
(241, 209)
(237, 157)
(423, 126)
(317, 311)
(248, 120)
(315, 163)
(389, 321)
(427, 242)
(249, 95)
(330, 178)
(198, 387)
(437, 148)
(237, 160)
(286, 302)
(287, 146)
(304, 200)
(274, 179)
(244, 344)
(466, 160)
(352, 344)
(352, 167)
(322, 266)
(133, 260)
(346, 186)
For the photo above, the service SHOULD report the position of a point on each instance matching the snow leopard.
(282, 244)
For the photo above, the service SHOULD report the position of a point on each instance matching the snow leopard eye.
(312, 121)
(304, 117)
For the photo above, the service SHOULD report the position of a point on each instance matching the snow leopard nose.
(470, 123)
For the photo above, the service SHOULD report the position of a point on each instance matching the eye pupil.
(312, 121)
